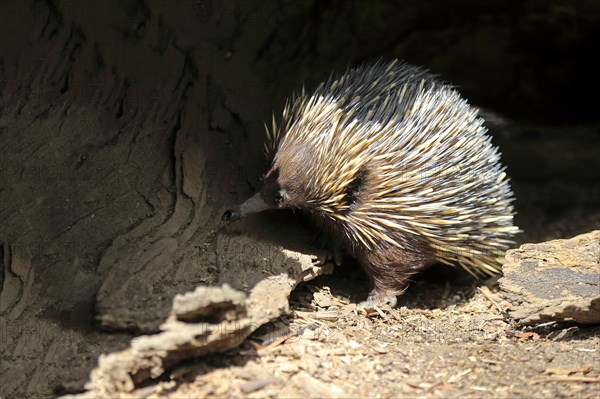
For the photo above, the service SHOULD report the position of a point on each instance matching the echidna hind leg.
(377, 298)
(384, 290)
(389, 271)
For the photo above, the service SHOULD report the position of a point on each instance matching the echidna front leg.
(389, 271)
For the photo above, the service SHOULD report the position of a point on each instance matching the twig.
(566, 379)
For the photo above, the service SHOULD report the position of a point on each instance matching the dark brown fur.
(286, 177)
(390, 268)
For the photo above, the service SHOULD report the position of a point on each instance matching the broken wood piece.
(207, 320)
(558, 280)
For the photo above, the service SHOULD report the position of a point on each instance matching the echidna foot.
(378, 298)
(321, 257)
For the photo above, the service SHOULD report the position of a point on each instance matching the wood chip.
(566, 379)
(416, 384)
(330, 315)
(257, 384)
(316, 388)
(568, 371)
(277, 342)
(493, 298)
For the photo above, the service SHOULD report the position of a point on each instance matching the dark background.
(126, 128)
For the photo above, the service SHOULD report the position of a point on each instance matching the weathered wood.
(117, 162)
(557, 280)
(221, 318)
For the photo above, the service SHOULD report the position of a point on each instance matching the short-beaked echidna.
(400, 166)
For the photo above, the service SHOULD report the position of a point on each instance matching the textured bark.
(117, 162)
(557, 280)
(209, 319)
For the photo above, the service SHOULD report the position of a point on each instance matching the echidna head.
(282, 189)
(310, 169)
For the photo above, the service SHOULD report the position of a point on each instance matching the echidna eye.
(278, 196)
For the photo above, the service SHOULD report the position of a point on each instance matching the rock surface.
(558, 280)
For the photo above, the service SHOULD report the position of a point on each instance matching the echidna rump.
(402, 169)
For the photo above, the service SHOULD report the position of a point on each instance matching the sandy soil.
(445, 340)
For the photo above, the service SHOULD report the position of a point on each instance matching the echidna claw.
(377, 299)
(321, 258)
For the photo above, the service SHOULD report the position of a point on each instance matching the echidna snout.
(272, 195)
(402, 169)
(231, 215)
(254, 204)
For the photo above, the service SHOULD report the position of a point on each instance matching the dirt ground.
(128, 127)
(445, 340)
